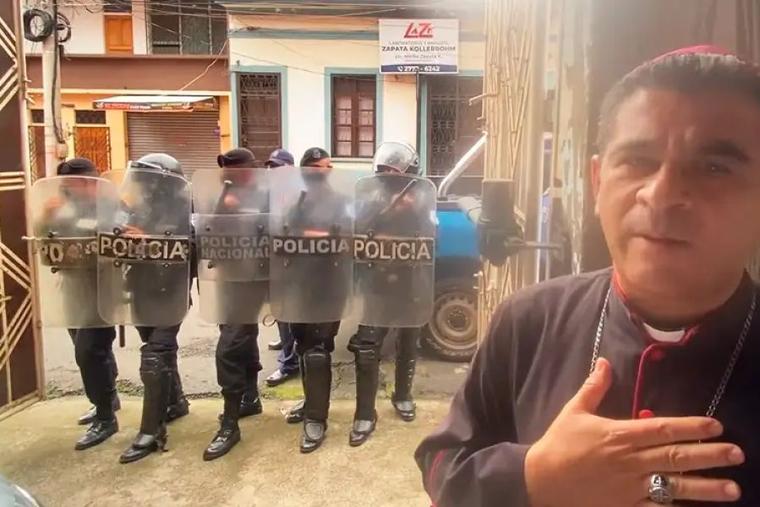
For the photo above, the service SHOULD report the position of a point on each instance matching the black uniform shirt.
(537, 355)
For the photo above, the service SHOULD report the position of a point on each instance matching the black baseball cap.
(240, 157)
(280, 157)
(77, 167)
(313, 155)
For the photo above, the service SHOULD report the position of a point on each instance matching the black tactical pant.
(93, 351)
(372, 338)
(162, 342)
(366, 345)
(237, 359)
(159, 339)
(314, 344)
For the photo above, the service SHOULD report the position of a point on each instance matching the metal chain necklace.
(731, 362)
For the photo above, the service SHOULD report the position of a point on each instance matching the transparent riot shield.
(311, 261)
(144, 250)
(64, 224)
(232, 243)
(394, 250)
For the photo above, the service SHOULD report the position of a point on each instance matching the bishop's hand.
(585, 460)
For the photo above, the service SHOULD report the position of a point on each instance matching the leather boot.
(178, 404)
(250, 404)
(295, 414)
(98, 432)
(406, 352)
(316, 399)
(157, 378)
(90, 416)
(229, 432)
(365, 417)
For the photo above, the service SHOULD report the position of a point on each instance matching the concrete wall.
(116, 121)
(309, 64)
(88, 30)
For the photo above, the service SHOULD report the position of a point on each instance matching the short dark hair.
(683, 72)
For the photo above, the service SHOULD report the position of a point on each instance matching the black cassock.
(538, 353)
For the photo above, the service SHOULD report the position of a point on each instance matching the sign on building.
(424, 46)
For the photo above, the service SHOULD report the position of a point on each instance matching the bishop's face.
(678, 188)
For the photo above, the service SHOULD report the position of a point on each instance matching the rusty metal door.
(20, 374)
(94, 143)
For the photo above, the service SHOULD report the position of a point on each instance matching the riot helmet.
(396, 157)
(158, 162)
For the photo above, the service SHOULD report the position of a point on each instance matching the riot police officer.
(397, 288)
(311, 270)
(93, 346)
(237, 352)
(159, 201)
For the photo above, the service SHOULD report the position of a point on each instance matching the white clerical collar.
(665, 336)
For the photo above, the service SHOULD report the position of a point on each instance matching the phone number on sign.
(418, 68)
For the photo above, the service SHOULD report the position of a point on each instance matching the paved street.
(264, 470)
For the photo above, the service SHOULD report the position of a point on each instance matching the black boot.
(178, 404)
(98, 432)
(406, 354)
(89, 416)
(317, 399)
(229, 432)
(295, 414)
(250, 405)
(365, 417)
(157, 378)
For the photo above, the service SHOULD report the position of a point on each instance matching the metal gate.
(20, 372)
(513, 107)
(191, 138)
(259, 104)
(94, 143)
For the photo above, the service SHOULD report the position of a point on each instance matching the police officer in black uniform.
(237, 352)
(163, 398)
(368, 340)
(315, 342)
(93, 347)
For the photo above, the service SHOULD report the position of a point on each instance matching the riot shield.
(311, 261)
(394, 250)
(232, 243)
(64, 224)
(144, 250)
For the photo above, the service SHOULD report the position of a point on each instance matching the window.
(86, 117)
(118, 31)
(259, 106)
(353, 116)
(186, 27)
(121, 6)
(38, 116)
(453, 124)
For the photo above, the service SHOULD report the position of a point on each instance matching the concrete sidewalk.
(264, 470)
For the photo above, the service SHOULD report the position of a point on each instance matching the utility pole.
(55, 144)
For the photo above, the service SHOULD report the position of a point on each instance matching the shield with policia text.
(65, 226)
(394, 249)
(311, 261)
(231, 221)
(144, 249)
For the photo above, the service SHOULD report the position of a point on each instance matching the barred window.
(85, 117)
